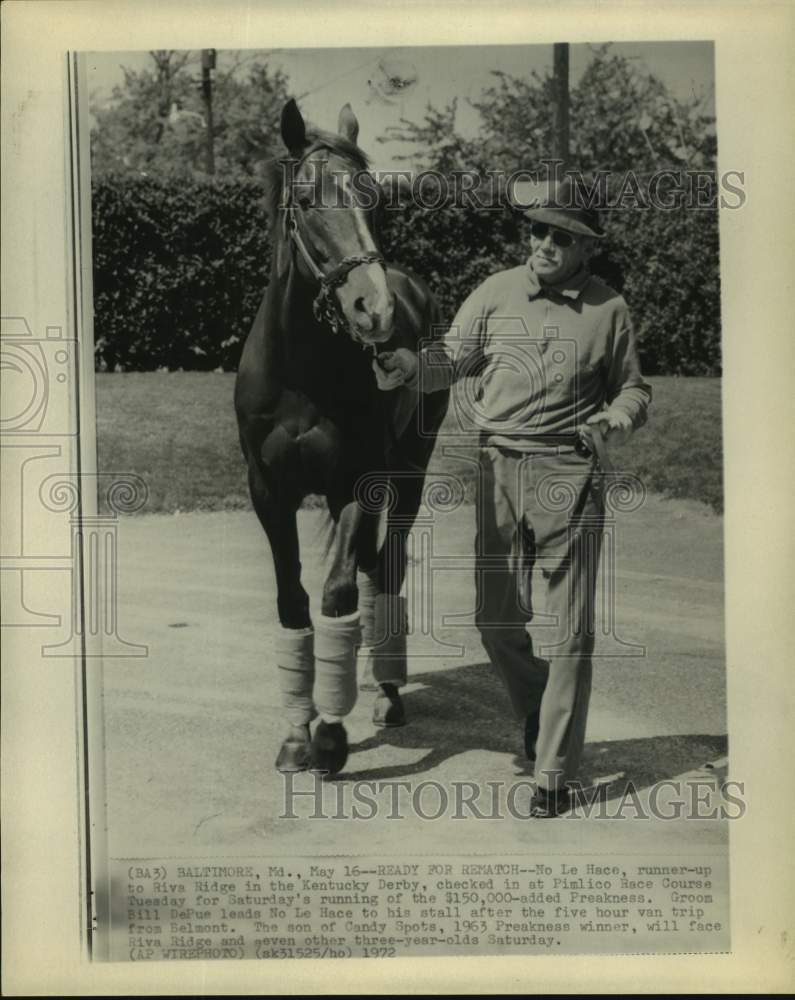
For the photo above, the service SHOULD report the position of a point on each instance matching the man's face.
(556, 253)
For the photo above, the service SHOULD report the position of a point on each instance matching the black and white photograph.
(383, 459)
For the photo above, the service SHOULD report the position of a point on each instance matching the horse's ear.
(347, 125)
(293, 127)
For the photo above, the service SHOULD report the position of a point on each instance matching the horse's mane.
(278, 169)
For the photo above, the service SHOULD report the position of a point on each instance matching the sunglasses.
(560, 237)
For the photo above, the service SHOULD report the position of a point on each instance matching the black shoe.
(531, 727)
(547, 805)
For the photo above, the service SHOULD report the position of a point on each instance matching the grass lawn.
(177, 431)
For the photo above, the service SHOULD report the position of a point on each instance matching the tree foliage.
(622, 118)
(156, 122)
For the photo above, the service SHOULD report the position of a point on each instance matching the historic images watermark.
(306, 795)
(41, 375)
(29, 434)
(667, 189)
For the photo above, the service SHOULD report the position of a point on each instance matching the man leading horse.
(555, 353)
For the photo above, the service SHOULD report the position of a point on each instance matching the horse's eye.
(304, 201)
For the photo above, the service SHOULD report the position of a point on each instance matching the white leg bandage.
(336, 643)
(295, 660)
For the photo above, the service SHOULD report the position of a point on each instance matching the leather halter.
(326, 306)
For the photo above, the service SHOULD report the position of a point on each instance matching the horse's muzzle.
(374, 327)
(368, 304)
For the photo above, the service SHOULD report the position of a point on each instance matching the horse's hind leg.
(367, 579)
(294, 639)
(383, 618)
(386, 660)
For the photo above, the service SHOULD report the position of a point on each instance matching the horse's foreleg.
(293, 644)
(340, 594)
(337, 638)
(278, 518)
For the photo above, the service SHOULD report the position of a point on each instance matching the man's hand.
(615, 425)
(394, 368)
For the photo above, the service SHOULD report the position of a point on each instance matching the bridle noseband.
(326, 306)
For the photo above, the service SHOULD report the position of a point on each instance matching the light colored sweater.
(546, 357)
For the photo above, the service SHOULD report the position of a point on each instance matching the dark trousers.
(519, 529)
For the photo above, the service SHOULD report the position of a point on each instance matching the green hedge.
(179, 270)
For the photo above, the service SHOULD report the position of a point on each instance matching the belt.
(592, 446)
(530, 441)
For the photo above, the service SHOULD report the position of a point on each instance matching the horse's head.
(329, 200)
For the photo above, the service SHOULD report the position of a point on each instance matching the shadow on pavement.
(465, 709)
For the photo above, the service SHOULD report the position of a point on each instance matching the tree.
(154, 124)
(622, 118)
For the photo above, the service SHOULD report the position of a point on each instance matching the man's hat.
(558, 203)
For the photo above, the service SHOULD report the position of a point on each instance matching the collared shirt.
(545, 357)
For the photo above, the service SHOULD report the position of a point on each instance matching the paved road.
(192, 729)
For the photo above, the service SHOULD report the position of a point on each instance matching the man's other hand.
(615, 425)
(395, 368)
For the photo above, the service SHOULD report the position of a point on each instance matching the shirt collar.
(571, 288)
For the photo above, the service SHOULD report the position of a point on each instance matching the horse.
(312, 420)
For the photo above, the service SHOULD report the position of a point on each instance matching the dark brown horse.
(312, 420)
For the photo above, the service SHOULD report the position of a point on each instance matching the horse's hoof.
(388, 710)
(329, 747)
(294, 755)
